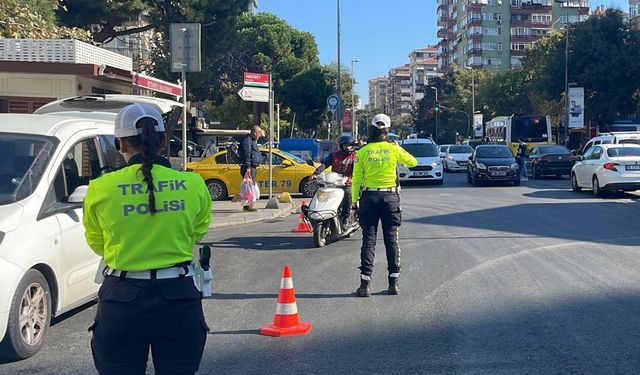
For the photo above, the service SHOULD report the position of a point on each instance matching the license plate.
(420, 173)
(632, 167)
(499, 173)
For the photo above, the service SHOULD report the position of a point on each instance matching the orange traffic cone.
(285, 321)
(303, 224)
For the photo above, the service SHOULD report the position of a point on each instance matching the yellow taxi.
(221, 172)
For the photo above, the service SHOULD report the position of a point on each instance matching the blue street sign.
(333, 101)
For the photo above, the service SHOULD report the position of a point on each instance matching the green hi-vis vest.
(120, 228)
(375, 166)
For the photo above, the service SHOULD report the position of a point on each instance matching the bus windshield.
(529, 129)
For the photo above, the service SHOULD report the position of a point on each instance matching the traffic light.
(436, 107)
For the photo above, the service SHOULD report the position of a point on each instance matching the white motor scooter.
(325, 210)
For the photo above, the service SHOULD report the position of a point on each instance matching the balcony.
(442, 33)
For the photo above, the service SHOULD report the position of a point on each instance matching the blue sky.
(379, 33)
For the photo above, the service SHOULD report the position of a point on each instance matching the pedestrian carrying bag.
(247, 190)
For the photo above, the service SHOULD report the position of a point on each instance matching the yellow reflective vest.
(375, 166)
(119, 227)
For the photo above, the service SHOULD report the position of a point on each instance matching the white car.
(607, 167)
(429, 166)
(456, 157)
(46, 163)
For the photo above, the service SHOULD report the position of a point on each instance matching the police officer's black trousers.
(135, 315)
(378, 206)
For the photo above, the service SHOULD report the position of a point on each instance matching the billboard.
(477, 125)
(576, 107)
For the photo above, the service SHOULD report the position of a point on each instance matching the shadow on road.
(589, 221)
(568, 194)
(578, 335)
(241, 296)
(304, 241)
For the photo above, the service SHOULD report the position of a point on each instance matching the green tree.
(306, 95)
(35, 20)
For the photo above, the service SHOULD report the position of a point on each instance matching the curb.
(250, 218)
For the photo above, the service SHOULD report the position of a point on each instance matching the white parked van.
(613, 138)
(46, 162)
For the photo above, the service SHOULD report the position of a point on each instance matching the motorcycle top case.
(325, 204)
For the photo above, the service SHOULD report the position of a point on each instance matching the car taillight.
(572, 158)
(610, 166)
(189, 170)
(545, 157)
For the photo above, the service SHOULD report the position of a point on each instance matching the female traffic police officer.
(375, 185)
(144, 220)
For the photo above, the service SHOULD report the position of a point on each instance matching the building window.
(491, 31)
(518, 46)
(492, 62)
(540, 18)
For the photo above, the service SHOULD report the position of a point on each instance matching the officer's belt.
(163, 273)
(391, 189)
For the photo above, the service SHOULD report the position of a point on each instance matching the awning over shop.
(156, 84)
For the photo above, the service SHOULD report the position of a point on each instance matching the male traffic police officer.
(375, 185)
(144, 220)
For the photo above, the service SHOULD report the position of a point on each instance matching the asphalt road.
(532, 279)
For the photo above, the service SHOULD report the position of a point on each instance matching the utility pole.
(436, 110)
(339, 120)
(354, 127)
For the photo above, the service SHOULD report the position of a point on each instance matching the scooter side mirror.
(310, 163)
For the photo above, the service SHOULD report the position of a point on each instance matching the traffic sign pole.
(273, 202)
(183, 69)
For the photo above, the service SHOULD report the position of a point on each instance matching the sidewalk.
(227, 213)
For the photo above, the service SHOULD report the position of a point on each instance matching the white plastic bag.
(256, 192)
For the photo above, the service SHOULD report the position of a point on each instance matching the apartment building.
(423, 66)
(634, 13)
(494, 34)
(378, 90)
(399, 93)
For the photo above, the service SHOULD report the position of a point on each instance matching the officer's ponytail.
(376, 135)
(150, 143)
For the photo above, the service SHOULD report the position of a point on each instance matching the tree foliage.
(35, 20)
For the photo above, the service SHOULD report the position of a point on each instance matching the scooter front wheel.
(320, 234)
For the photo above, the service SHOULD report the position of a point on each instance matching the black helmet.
(346, 140)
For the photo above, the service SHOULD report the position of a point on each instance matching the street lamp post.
(566, 66)
(340, 108)
(436, 135)
(473, 90)
(354, 127)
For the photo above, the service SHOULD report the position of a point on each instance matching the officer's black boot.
(393, 286)
(364, 290)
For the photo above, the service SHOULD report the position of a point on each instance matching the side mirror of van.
(310, 163)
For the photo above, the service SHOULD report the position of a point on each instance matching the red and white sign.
(156, 84)
(346, 121)
(256, 79)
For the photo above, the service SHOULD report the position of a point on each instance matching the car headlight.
(481, 166)
(514, 166)
(436, 164)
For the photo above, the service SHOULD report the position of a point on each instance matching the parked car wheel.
(29, 317)
(597, 191)
(469, 178)
(574, 183)
(217, 189)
